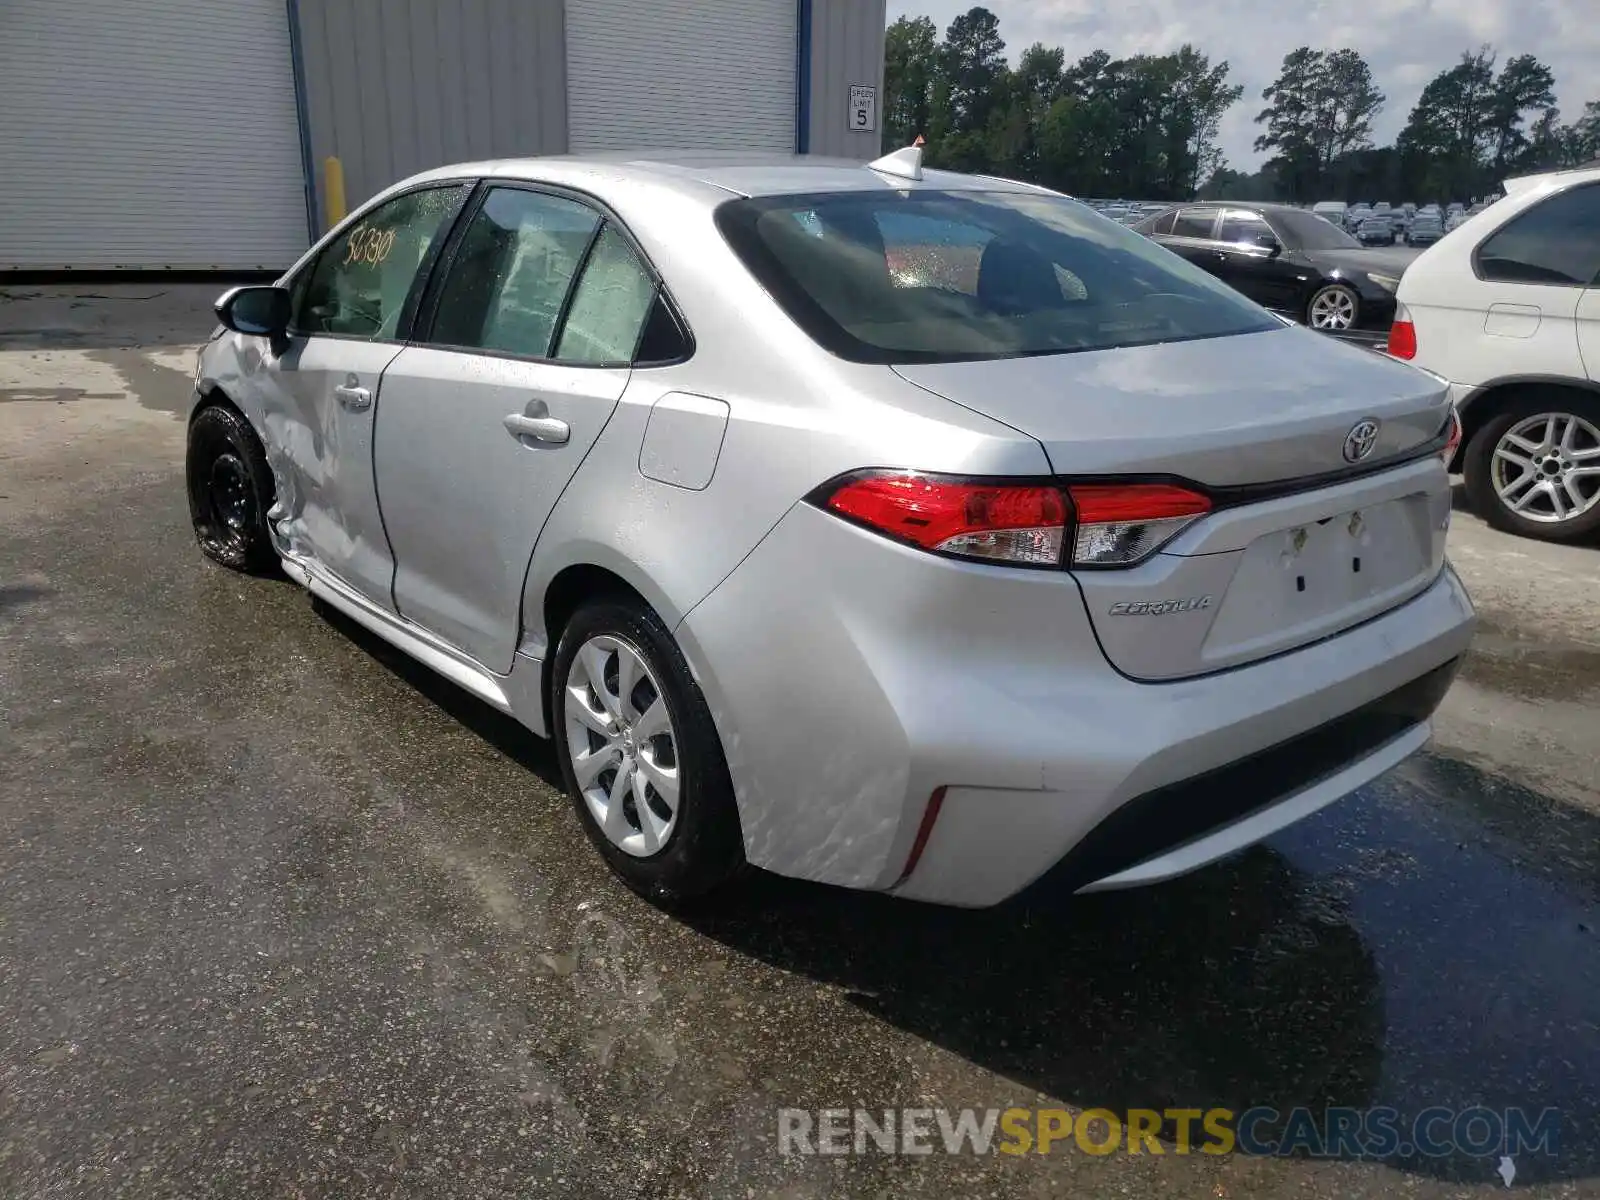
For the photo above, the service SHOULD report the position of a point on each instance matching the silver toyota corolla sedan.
(898, 529)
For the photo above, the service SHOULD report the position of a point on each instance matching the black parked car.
(1287, 259)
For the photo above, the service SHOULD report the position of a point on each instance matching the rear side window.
(609, 305)
(510, 275)
(1194, 223)
(1555, 242)
(931, 276)
(1163, 223)
(1246, 229)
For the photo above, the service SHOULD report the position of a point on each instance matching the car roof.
(732, 173)
(1589, 173)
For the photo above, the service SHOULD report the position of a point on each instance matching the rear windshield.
(934, 276)
(1313, 233)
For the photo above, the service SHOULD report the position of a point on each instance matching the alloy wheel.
(1333, 308)
(622, 745)
(1546, 468)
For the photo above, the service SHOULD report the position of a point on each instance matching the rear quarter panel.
(1472, 331)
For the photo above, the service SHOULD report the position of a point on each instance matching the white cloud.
(1406, 42)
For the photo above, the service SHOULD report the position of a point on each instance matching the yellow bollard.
(333, 189)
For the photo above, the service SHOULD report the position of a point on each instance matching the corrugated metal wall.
(680, 75)
(394, 87)
(846, 48)
(147, 135)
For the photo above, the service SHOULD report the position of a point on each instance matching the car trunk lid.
(1301, 542)
(1250, 409)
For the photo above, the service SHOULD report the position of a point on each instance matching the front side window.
(930, 276)
(358, 285)
(510, 275)
(1555, 242)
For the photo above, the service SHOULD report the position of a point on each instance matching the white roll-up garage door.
(680, 74)
(148, 134)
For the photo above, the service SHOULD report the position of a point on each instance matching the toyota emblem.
(1358, 443)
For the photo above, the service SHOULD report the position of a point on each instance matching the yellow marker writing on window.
(369, 246)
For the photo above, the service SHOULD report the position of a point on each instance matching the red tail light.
(1403, 335)
(1087, 525)
(997, 522)
(1119, 524)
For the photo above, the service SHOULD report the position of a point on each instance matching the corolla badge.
(1361, 439)
(1158, 608)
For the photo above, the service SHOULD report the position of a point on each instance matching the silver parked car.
(897, 529)
(1425, 230)
(1376, 230)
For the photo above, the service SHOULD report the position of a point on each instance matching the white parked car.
(1508, 310)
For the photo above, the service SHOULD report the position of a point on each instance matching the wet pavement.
(281, 914)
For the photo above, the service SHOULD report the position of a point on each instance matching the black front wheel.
(230, 490)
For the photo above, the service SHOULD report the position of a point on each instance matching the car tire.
(1479, 461)
(1334, 307)
(703, 846)
(230, 490)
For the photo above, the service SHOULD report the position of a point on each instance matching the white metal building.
(189, 134)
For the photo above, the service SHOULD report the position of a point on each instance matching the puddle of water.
(60, 395)
(1485, 940)
(1531, 670)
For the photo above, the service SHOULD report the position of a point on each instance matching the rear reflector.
(924, 830)
(1402, 335)
(1454, 442)
(1119, 524)
(1023, 524)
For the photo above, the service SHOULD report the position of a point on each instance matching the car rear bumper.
(851, 679)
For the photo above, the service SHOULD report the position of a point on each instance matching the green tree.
(1525, 86)
(1319, 109)
(1346, 101)
(910, 71)
(1040, 75)
(974, 62)
(1586, 133)
(1553, 146)
(1451, 129)
(1030, 91)
(1078, 134)
(1202, 95)
(1291, 119)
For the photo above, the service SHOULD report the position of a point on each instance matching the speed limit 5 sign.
(863, 111)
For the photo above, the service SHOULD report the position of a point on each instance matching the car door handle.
(540, 429)
(356, 399)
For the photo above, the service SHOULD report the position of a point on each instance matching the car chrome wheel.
(623, 748)
(1333, 308)
(1546, 468)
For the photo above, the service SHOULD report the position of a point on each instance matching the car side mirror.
(1270, 244)
(255, 311)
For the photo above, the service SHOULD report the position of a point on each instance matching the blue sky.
(1406, 42)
